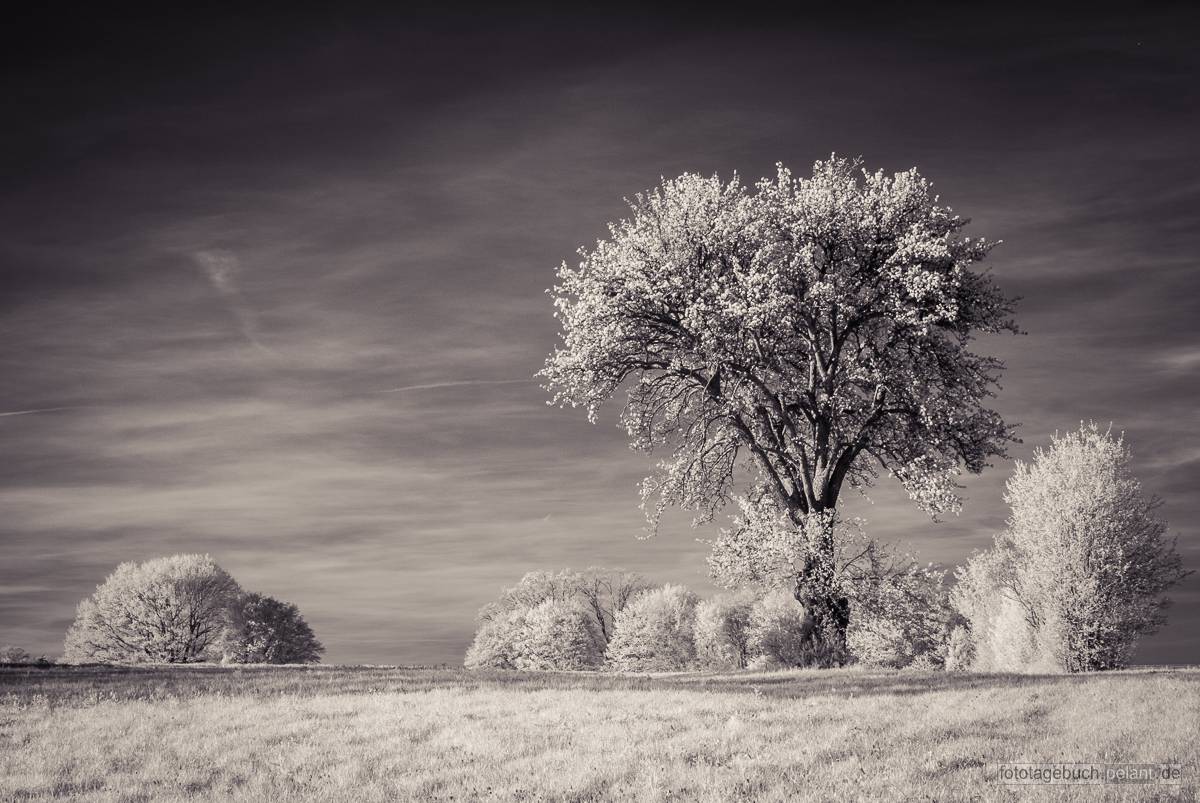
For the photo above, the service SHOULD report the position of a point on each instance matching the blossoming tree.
(1080, 573)
(786, 341)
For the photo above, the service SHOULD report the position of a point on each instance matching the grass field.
(366, 734)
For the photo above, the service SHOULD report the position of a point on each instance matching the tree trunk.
(817, 590)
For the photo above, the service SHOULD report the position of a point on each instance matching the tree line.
(1072, 583)
(1078, 575)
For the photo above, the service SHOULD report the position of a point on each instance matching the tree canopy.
(804, 334)
(264, 630)
(169, 610)
(818, 328)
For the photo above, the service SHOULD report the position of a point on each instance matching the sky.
(273, 288)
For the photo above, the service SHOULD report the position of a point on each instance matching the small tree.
(14, 655)
(558, 635)
(998, 629)
(1080, 573)
(169, 610)
(960, 648)
(502, 638)
(654, 632)
(780, 631)
(502, 624)
(496, 640)
(606, 592)
(902, 619)
(264, 630)
(722, 633)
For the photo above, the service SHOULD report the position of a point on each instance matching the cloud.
(459, 383)
(221, 267)
(39, 410)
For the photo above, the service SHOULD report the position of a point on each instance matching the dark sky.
(272, 288)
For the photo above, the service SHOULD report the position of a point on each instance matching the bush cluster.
(543, 623)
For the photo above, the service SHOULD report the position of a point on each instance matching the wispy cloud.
(6, 413)
(458, 383)
(221, 268)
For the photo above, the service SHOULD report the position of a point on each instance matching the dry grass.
(363, 734)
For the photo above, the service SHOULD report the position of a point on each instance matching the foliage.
(1079, 574)
(960, 648)
(171, 610)
(654, 632)
(264, 630)
(1001, 638)
(10, 654)
(812, 331)
(534, 588)
(899, 611)
(902, 619)
(494, 645)
(779, 633)
(606, 592)
(558, 635)
(722, 631)
(763, 548)
(586, 604)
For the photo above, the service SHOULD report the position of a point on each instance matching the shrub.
(503, 639)
(779, 630)
(264, 630)
(557, 635)
(901, 620)
(654, 632)
(722, 631)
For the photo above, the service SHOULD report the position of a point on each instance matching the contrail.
(39, 410)
(458, 383)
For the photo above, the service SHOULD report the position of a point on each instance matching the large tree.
(166, 610)
(811, 330)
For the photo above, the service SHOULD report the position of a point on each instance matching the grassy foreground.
(365, 734)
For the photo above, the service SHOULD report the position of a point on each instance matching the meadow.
(384, 733)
